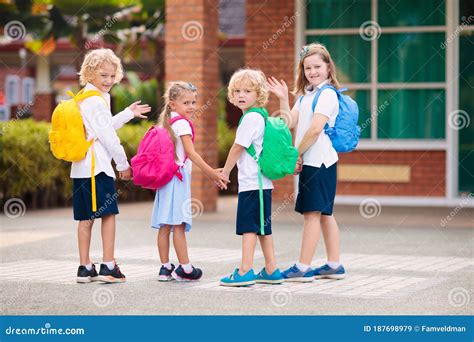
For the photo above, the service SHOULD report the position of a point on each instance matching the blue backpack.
(346, 133)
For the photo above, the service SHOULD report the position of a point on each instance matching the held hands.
(139, 109)
(299, 165)
(279, 88)
(220, 179)
(126, 175)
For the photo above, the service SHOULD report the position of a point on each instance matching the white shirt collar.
(90, 86)
(310, 89)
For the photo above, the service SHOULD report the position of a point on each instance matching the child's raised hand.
(279, 88)
(139, 109)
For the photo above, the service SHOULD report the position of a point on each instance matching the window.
(396, 72)
(466, 103)
(12, 90)
(28, 90)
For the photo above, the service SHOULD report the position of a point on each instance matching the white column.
(43, 75)
(452, 97)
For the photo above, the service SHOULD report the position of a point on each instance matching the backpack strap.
(177, 118)
(253, 153)
(82, 95)
(318, 93)
(263, 112)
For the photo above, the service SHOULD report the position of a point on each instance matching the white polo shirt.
(250, 131)
(180, 128)
(101, 125)
(321, 152)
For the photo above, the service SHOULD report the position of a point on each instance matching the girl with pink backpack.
(172, 210)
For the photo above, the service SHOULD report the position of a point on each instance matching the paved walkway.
(399, 261)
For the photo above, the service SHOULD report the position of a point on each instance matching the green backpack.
(278, 157)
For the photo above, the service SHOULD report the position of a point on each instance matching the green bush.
(29, 171)
(125, 94)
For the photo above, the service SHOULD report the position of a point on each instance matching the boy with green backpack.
(263, 152)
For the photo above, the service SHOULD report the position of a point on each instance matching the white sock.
(303, 267)
(333, 264)
(110, 264)
(188, 268)
(167, 265)
(88, 266)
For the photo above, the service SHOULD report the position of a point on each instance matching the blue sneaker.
(327, 272)
(235, 279)
(294, 274)
(264, 278)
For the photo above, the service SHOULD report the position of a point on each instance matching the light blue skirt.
(173, 203)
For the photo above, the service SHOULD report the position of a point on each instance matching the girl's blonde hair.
(321, 51)
(256, 81)
(174, 91)
(94, 60)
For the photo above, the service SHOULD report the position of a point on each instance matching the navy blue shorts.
(248, 212)
(317, 189)
(105, 194)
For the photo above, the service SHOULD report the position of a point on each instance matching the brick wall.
(269, 46)
(427, 173)
(191, 54)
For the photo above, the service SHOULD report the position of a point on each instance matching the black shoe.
(180, 275)
(85, 276)
(110, 276)
(165, 274)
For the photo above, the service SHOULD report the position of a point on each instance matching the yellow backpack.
(67, 138)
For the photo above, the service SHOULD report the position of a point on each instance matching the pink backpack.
(154, 165)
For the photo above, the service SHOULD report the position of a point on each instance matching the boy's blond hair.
(255, 79)
(94, 60)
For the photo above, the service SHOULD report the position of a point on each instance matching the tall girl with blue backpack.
(326, 123)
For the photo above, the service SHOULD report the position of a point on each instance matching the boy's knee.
(312, 215)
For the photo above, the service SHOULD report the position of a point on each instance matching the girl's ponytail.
(164, 121)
